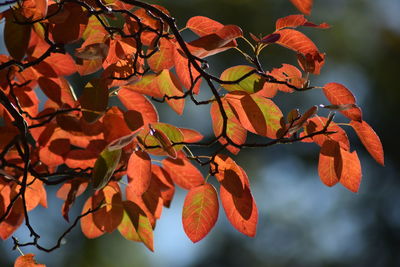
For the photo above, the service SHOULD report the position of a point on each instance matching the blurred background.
(301, 222)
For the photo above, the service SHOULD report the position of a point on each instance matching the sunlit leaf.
(294, 21)
(370, 140)
(203, 26)
(250, 84)
(104, 167)
(183, 172)
(169, 85)
(27, 260)
(139, 172)
(337, 94)
(351, 170)
(88, 227)
(330, 163)
(304, 6)
(200, 211)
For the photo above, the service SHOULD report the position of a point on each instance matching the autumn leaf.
(351, 170)
(183, 172)
(200, 211)
(369, 139)
(139, 172)
(337, 94)
(250, 84)
(294, 21)
(104, 167)
(304, 6)
(330, 163)
(27, 260)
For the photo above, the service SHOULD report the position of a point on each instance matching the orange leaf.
(169, 85)
(294, 21)
(191, 136)
(370, 140)
(330, 163)
(241, 211)
(27, 260)
(255, 113)
(109, 216)
(200, 211)
(217, 42)
(164, 58)
(147, 85)
(287, 73)
(140, 223)
(165, 183)
(296, 41)
(13, 221)
(351, 170)
(304, 6)
(139, 172)
(187, 75)
(317, 124)
(337, 94)
(182, 172)
(203, 26)
(89, 228)
(234, 130)
(230, 175)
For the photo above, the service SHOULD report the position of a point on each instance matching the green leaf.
(104, 167)
(250, 84)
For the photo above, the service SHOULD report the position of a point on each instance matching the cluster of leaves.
(135, 51)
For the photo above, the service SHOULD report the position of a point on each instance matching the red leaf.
(200, 211)
(147, 85)
(370, 140)
(330, 163)
(318, 123)
(296, 41)
(89, 228)
(234, 130)
(337, 94)
(69, 191)
(164, 58)
(203, 26)
(255, 113)
(187, 75)
(230, 175)
(165, 183)
(351, 170)
(34, 9)
(16, 36)
(169, 85)
(109, 216)
(217, 42)
(135, 101)
(182, 172)
(294, 21)
(140, 223)
(191, 136)
(287, 73)
(27, 260)
(139, 172)
(241, 211)
(304, 6)
(13, 221)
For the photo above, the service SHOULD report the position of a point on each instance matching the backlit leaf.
(294, 21)
(241, 211)
(230, 175)
(16, 36)
(370, 140)
(200, 211)
(109, 216)
(169, 85)
(187, 75)
(203, 26)
(304, 6)
(250, 84)
(191, 136)
(104, 167)
(256, 114)
(89, 228)
(330, 163)
(234, 130)
(351, 170)
(183, 172)
(27, 260)
(140, 223)
(164, 58)
(337, 94)
(139, 172)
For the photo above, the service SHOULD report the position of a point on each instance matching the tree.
(131, 51)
